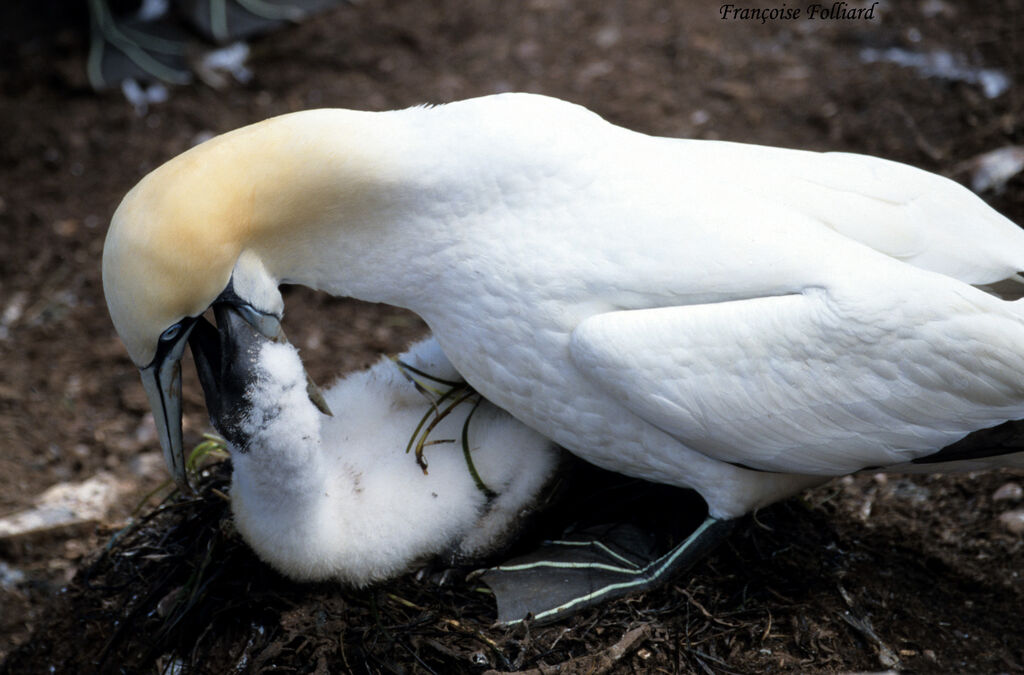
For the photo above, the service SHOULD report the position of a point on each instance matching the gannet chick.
(339, 497)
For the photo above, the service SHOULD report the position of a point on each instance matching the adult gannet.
(741, 320)
(337, 497)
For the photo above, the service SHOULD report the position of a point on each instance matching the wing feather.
(909, 214)
(823, 382)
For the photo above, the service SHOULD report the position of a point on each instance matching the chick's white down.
(321, 497)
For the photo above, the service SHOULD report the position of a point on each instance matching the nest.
(801, 587)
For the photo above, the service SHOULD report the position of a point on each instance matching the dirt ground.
(868, 573)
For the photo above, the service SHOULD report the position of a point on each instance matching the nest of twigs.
(801, 587)
(179, 591)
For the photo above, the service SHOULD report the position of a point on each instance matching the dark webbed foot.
(564, 576)
(155, 48)
(129, 48)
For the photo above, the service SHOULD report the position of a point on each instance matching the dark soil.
(864, 574)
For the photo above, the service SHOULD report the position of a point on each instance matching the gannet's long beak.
(162, 381)
(216, 357)
(225, 357)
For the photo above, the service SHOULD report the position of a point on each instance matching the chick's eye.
(171, 333)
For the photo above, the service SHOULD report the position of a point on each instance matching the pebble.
(1013, 521)
(145, 433)
(65, 505)
(10, 577)
(991, 171)
(148, 465)
(1010, 492)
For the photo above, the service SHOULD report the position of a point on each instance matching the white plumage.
(737, 319)
(339, 498)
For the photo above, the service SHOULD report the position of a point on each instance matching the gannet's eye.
(170, 333)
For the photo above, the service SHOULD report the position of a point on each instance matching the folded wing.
(825, 382)
(915, 216)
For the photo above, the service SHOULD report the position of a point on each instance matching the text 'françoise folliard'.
(840, 11)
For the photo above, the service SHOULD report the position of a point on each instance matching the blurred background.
(934, 83)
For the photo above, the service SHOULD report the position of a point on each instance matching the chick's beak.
(227, 357)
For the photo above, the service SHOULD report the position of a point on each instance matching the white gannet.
(338, 497)
(741, 320)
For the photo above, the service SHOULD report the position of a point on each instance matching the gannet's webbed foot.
(565, 576)
(125, 48)
(155, 47)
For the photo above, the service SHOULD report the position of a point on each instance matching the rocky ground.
(868, 573)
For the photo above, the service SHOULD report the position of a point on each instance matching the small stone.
(608, 36)
(148, 465)
(169, 602)
(146, 433)
(10, 576)
(1010, 492)
(1013, 521)
(64, 506)
(991, 171)
(201, 137)
(934, 8)
(66, 227)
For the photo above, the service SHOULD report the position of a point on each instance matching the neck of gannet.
(348, 202)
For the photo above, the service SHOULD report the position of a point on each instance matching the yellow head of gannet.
(225, 223)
